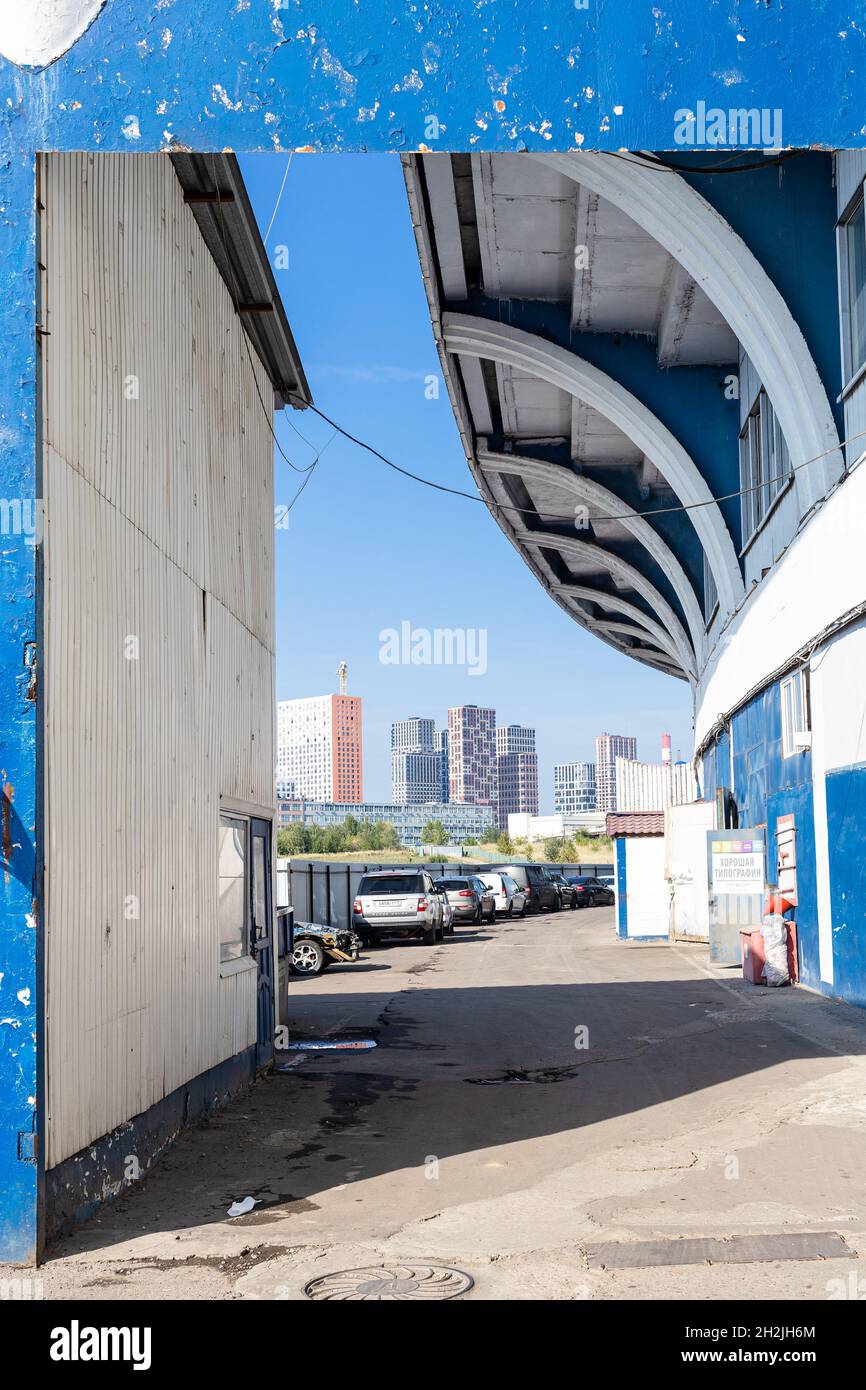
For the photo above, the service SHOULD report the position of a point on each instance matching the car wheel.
(491, 916)
(428, 936)
(510, 912)
(522, 912)
(479, 915)
(307, 958)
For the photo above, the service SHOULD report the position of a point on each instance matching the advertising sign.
(737, 865)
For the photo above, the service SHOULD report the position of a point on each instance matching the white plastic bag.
(775, 934)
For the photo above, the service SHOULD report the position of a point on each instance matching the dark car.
(566, 890)
(591, 892)
(536, 883)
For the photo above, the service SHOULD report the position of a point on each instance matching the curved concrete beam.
(499, 342)
(626, 574)
(606, 503)
(691, 230)
(619, 605)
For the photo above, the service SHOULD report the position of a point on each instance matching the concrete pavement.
(537, 1088)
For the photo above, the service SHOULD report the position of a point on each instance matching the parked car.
(567, 892)
(447, 909)
(510, 898)
(470, 899)
(315, 947)
(591, 892)
(535, 882)
(398, 903)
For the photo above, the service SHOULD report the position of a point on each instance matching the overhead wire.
(621, 516)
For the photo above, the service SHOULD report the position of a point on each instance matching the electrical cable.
(279, 199)
(533, 511)
(725, 168)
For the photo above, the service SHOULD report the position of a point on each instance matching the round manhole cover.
(391, 1282)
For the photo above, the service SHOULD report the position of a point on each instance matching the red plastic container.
(754, 961)
(752, 948)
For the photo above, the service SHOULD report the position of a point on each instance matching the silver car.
(469, 898)
(397, 902)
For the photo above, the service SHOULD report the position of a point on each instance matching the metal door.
(262, 938)
(736, 873)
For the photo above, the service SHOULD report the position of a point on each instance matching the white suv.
(398, 902)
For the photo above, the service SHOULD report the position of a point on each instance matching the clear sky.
(367, 550)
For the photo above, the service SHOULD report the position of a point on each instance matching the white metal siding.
(647, 890)
(149, 502)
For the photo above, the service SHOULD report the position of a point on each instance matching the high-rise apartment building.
(472, 755)
(516, 772)
(609, 747)
(415, 775)
(441, 741)
(574, 788)
(320, 748)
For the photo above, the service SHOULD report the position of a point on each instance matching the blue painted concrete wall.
(846, 817)
(354, 74)
(621, 889)
(19, 906)
(766, 786)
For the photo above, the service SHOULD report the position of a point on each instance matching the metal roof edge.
(214, 189)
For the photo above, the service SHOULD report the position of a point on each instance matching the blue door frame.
(318, 75)
(262, 937)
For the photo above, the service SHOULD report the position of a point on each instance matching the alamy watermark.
(711, 127)
(438, 646)
(22, 516)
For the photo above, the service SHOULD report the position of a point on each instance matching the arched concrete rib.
(499, 342)
(606, 503)
(691, 230)
(616, 604)
(624, 572)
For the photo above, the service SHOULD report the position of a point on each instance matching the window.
(796, 717)
(233, 913)
(765, 467)
(852, 258)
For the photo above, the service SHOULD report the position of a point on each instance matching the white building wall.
(686, 868)
(647, 891)
(158, 677)
(791, 605)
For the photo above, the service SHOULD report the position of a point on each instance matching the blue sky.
(367, 550)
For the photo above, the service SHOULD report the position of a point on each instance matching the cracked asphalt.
(538, 1088)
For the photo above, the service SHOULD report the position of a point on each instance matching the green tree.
(292, 840)
(503, 843)
(367, 838)
(389, 835)
(434, 833)
(553, 848)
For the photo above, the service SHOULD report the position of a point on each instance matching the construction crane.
(343, 672)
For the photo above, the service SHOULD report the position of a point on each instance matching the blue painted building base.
(79, 1186)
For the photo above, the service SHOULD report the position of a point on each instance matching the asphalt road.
(537, 1089)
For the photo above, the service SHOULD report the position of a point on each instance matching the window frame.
(797, 680)
(765, 483)
(851, 374)
(230, 965)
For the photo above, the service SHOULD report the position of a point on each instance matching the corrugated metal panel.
(850, 166)
(159, 527)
